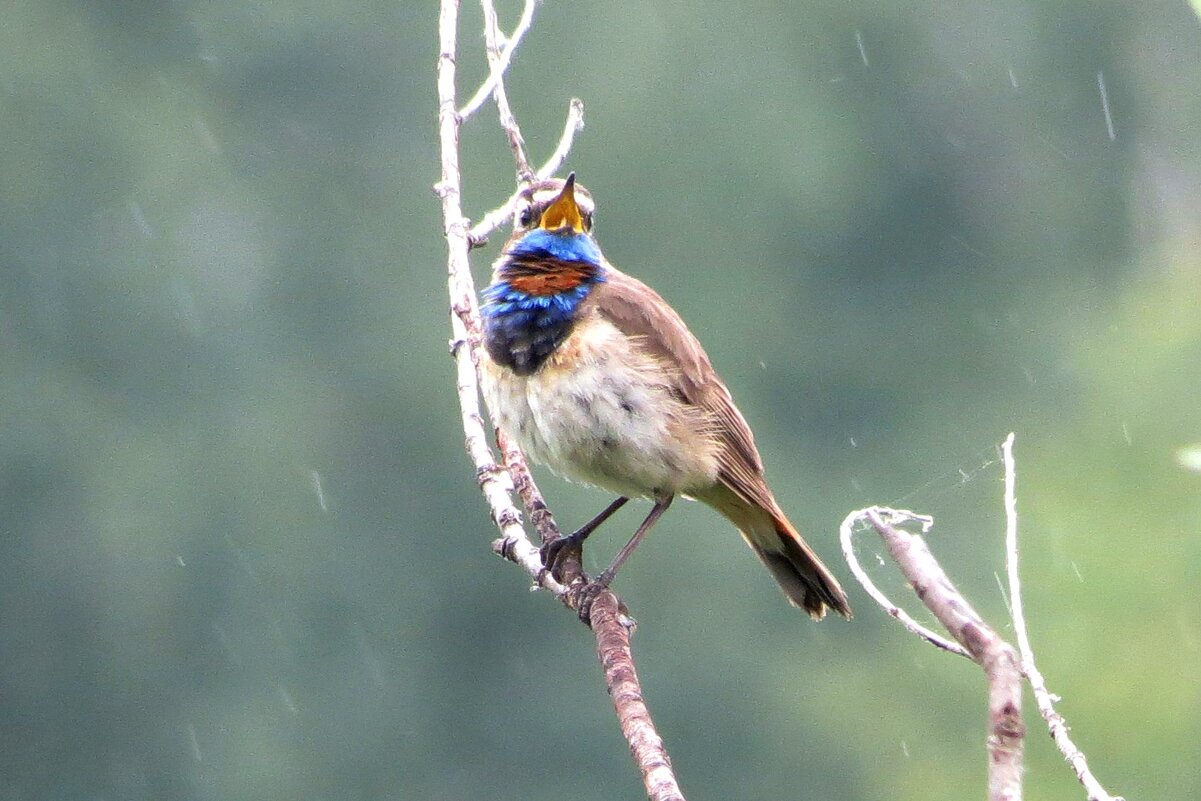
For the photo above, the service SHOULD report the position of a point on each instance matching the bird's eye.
(588, 221)
(527, 217)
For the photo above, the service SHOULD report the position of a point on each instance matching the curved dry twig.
(609, 624)
(846, 533)
(999, 659)
(1042, 696)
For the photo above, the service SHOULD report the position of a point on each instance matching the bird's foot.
(563, 558)
(586, 596)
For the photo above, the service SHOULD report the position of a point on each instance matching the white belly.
(600, 412)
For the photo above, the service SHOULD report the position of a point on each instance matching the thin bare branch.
(997, 657)
(494, 480)
(501, 214)
(846, 533)
(574, 124)
(506, 57)
(609, 623)
(1042, 696)
(496, 64)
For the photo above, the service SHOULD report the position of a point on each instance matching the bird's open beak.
(564, 212)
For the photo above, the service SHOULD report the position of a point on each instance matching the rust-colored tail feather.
(805, 580)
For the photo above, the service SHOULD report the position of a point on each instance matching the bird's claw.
(557, 553)
(586, 596)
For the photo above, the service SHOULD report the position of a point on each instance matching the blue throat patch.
(531, 307)
(564, 247)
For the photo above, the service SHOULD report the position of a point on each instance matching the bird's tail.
(804, 579)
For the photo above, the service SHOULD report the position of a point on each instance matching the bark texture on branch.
(646, 746)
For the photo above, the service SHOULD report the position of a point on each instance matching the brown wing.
(638, 311)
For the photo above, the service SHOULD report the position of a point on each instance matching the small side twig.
(498, 216)
(485, 91)
(573, 125)
(846, 533)
(1042, 696)
(997, 657)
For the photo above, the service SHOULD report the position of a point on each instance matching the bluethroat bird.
(598, 378)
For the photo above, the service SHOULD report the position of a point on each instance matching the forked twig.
(1000, 661)
(984, 646)
(609, 623)
(498, 216)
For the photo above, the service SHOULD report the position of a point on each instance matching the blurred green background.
(242, 554)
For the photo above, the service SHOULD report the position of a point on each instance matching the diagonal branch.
(612, 630)
(497, 65)
(987, 649)
(531, 496)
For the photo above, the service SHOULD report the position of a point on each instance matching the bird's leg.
(589, 592)
(606, 575)
(554, 552)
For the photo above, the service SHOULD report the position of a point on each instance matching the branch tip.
(501, 214)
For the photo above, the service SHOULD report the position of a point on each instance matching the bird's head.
(554, 217)
(556, 205)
